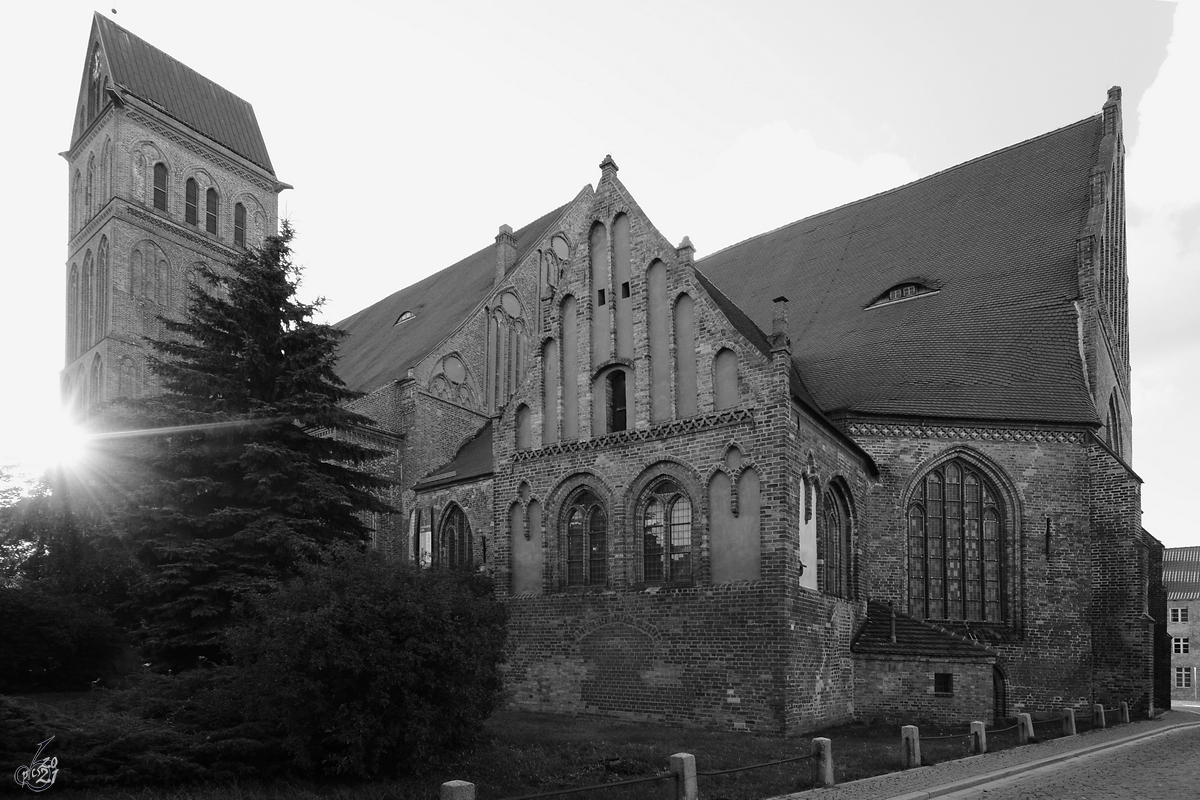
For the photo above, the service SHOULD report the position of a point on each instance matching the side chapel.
(876, 462)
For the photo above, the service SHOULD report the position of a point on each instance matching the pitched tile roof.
(472, 462)
(994, 236)
(1181, 572)
(913, 637)
(142, 70)
(377, 350)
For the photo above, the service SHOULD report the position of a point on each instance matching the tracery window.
(833, 545)
(667, 535)
(160, 186)
(587, 540)
(455, 539)
(956, 547)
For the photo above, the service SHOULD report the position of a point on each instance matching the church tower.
(167, 171)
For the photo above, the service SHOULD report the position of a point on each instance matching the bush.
(52, 641)
(366, 667)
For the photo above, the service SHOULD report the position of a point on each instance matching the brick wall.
(1191, 631)
(902, 689)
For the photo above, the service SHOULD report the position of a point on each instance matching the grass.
(525, 753)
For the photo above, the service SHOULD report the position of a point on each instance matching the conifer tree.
(248, 475)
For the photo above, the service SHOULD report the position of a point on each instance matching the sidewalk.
(953, 776)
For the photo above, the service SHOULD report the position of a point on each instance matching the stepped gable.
(379, 348)
(993, 241)
(913, 637)
(140, 69)
(472, 461)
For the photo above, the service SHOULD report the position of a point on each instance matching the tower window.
(191, 199)
(210, 211)
(617, 404)
(600, 296)
(239, 225)
(624, 289)
(160, 186)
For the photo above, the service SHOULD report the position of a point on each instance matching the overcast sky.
(411, 131)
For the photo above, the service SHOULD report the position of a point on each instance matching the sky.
(412, 131)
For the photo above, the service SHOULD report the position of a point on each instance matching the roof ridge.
(902, 186)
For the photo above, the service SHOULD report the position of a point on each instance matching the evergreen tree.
(247, 475)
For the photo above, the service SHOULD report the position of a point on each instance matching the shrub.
(52, 641)
(368, 667)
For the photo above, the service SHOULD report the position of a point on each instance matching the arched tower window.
(957, 546)
(1112, 426)
(102, 284)
(160, 186)
(95, 96)
(833, 545)
(667, 535)
(191, 201)
(73, 313)
(524, 432)
(455, 538)
(725, 379)
(210, 210)
(89, 201)
(587, 540)
(239, 224)
(685, 357)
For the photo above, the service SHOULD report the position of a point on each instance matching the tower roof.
(140, 69)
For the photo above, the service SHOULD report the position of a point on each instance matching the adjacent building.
(1181, 576)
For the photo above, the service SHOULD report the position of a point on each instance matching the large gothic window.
(455, 539)
(667, 535)
(833, 545)
(956, 547)
(587, 541)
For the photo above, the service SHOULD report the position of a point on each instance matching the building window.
(943, 683)
(587, 541)
(191, 199)
(1180, 646)
(1179, 614)
(956, 547)
(160, 186)
(1183, 677)
(239, 225)
(833, 545)
(210, 210)
(617, 402)
(524, 428)
(455, 539)
(667, 535)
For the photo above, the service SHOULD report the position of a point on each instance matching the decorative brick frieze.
(964, 432)
(679, 427)
(206, 153)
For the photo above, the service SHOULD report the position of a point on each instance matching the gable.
(386, 339)
(138, 69)
(993, 335)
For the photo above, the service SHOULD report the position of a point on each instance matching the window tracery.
(586, 540)
(667, 535)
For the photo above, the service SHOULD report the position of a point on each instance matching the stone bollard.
(910, 747)
(978, 738)
(1068, 722)
(1098, 715)
(1124, 711)
(458, 790)
(822, 748)
(1024, 728)
(683, 767)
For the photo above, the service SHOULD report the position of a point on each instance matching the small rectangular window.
(625, 289)
(1179, 614)
(1181, 646)
(943, 683)
(601, 296)
(1183, 677)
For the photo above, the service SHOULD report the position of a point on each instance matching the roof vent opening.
(902, 291)
(405, 317)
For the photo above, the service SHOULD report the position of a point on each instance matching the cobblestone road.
(1164, 767)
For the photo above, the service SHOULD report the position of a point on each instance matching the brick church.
(876, 462)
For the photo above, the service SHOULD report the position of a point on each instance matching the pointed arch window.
(239, 224)
(957, 547)
(210, 210)
(587, 541)
(455, 538)
(191, 201)
(667, 535)
(160, 186)
(833, 545)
